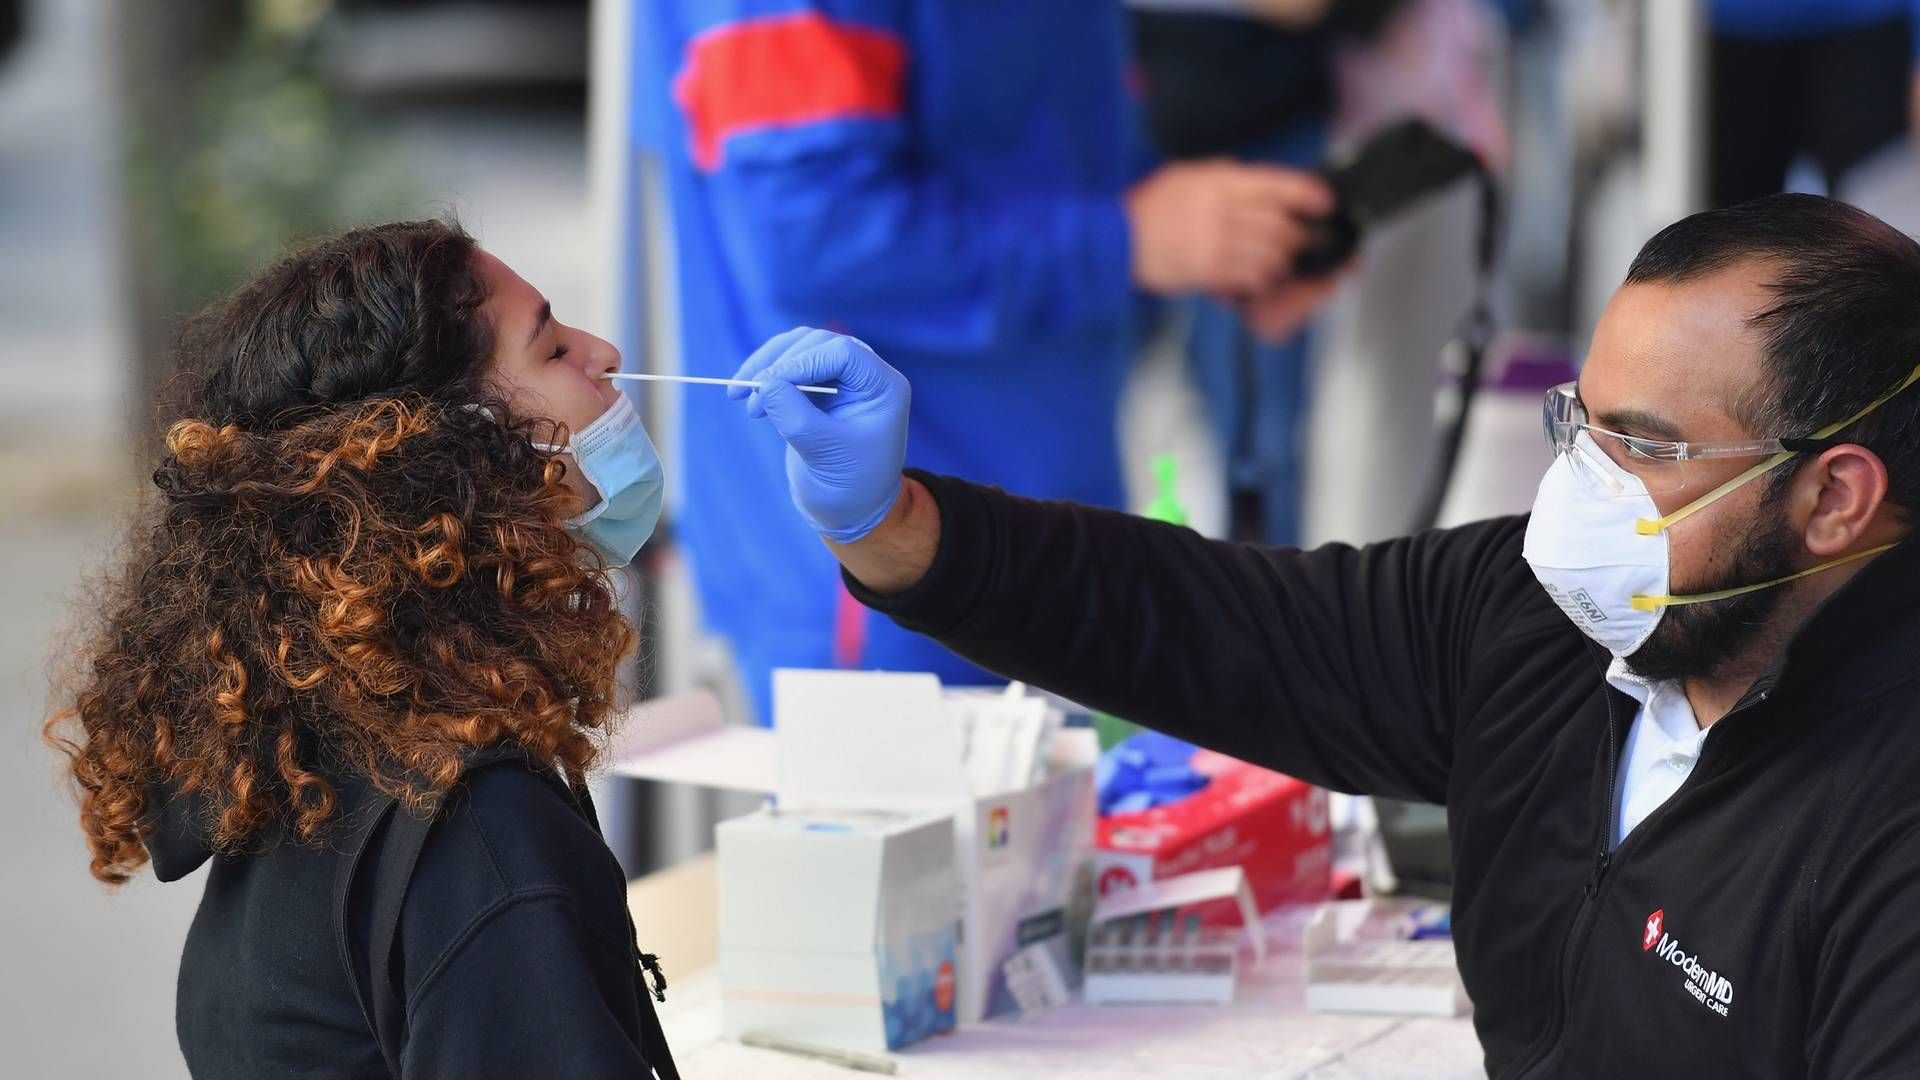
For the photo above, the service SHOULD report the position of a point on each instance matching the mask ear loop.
(1641, 602)
(1650, 527)
(1656, 526)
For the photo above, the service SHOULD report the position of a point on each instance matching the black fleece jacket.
(513, 953)
(1765, 921)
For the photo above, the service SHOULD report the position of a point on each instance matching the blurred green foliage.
(262, 155)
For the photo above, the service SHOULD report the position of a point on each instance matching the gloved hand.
(845, 450)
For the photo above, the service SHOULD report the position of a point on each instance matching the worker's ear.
(1839, 496)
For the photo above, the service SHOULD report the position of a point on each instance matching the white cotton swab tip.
(638, 377)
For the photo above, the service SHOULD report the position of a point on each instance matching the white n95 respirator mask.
(1586, 551)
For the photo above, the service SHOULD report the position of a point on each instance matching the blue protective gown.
(940, 179)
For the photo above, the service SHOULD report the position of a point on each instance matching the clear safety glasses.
(1663, 466)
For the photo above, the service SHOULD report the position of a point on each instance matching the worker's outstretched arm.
(1344, 666)
(800, 120)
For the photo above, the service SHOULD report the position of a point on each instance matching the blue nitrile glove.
(844, 450)
(1146, 770)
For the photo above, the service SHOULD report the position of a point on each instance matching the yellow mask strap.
(1655, 526)
(1652, 526)
(1642, 602)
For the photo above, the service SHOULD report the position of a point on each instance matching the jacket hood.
(177, 837)
(179, 831)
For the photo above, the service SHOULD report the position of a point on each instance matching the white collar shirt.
(1663, 745)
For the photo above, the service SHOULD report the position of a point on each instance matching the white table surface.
(1266, 1032)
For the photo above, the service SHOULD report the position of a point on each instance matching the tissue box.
(873, 739)
(1272, 826)
(838, 928)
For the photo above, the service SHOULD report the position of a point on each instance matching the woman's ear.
(1843, 491)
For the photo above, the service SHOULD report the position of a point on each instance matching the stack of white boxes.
(838, 927)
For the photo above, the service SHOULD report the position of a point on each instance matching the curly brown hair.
(355, 564)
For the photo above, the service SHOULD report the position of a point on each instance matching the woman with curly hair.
(361, 657)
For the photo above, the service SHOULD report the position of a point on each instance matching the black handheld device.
(1396, 168)
(1391, 171)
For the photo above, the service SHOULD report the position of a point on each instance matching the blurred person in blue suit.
(960, 185)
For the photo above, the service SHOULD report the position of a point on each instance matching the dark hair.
(372, 312)
(1843, 328)
(356, 564)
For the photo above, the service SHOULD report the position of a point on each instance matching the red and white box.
(1272, 826)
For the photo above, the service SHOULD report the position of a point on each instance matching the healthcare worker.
(359, 660)
(1671, 713)
(955, 183)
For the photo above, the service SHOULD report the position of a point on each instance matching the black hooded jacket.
(513, 955)
(1763, 922)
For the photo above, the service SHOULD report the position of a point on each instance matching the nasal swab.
(636, 377)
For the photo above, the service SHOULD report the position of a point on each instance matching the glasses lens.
(1559, 416)
(1610, 463)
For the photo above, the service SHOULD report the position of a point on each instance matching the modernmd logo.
(1708, 987)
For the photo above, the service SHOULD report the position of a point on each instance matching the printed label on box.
(920, 976)
(1034, 978)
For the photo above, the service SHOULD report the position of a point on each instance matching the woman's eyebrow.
(540, 321)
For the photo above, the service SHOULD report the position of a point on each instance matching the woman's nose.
(602, 357)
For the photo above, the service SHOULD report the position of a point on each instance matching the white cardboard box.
(837, 927)
(873, 739)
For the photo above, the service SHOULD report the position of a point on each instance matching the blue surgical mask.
(615, 455)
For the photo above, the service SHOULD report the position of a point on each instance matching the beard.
(1692, 640)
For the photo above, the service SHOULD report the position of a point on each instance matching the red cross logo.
(1654, 922)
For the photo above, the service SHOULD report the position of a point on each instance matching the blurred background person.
(1253, 81)
(1284, 81)
(1830, 81)
(958, 186)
